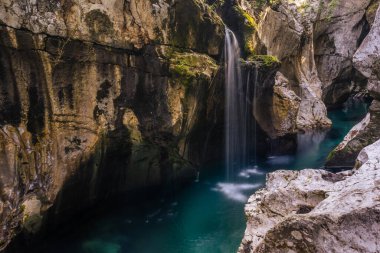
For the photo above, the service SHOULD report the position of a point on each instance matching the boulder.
(317, 211)
(363, 134)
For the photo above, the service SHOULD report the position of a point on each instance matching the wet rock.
(363, 134)
(337, 212)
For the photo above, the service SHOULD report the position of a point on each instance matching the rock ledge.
(317, 211)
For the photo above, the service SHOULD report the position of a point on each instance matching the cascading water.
(235, 107)
(256, 74)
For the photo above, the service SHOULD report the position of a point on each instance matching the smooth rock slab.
(317, 211)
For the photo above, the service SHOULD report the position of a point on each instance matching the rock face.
(119, 23)
(366, 60)
(338, 31)
(284, 23)
(315, 42)
(101, 97)
(317, 211)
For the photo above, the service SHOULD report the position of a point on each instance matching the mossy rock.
(265, 60)
(372, 8)
(32, 224)
(247, 27)
(186, 67)
(32, 219)
(98, 23)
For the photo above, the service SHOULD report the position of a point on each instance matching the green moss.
(98, 23)
(249, 28)
(372, 8)
(266, 60)
(249, 22)
(187, 66)
(331, 155)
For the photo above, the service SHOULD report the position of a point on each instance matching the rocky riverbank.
(317, 211)
(99, 98)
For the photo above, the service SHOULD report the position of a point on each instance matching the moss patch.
(186, 66)
(265, 60)
(98, 23)
(373, 8)
(248, 26)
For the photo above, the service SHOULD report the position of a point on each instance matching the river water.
(206, 217)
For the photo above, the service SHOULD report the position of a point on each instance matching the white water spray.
(235, 107)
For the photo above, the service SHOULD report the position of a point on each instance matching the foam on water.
(251, 171)
(236, 191)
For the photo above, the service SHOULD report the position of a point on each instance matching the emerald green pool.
(208, 216)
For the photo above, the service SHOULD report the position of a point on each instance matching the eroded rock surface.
(366, 60)
(317, 211)
(362, 135)
(339, 30)
(315, 42)
(99, 98)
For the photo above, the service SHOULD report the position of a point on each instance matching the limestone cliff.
(315, 41)
(366, 60)
(101, 97)
(316, 210)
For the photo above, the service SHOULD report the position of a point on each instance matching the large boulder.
(363, 134)
(317, 211)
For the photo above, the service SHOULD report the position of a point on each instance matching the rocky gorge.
(107, 98)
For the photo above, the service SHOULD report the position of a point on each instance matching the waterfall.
(235, 107)
(254, 101)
